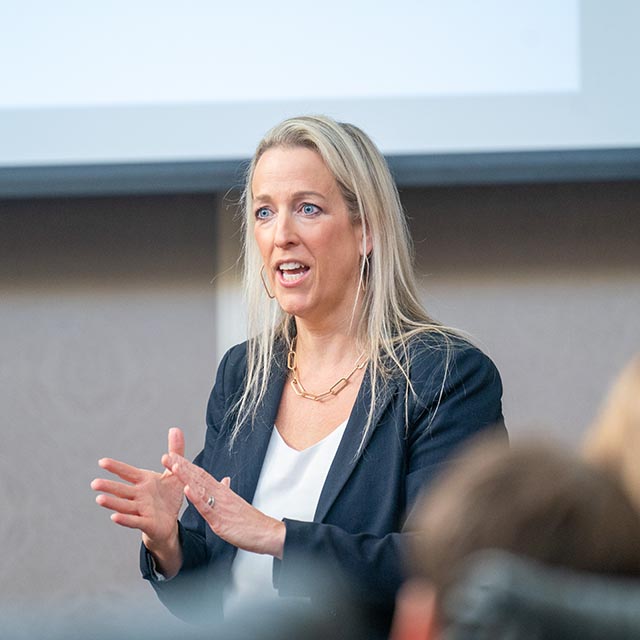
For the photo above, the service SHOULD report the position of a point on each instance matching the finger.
(167, 461)
(226, 482)
(199, 497)
(176, 441)
(185, 475)
(170, 459)
(125, 471)
(115, 488)
(192, 474)
(117, 504)
(129, 521)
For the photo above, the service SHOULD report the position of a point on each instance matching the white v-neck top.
(289, 486)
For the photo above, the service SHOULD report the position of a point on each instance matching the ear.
(415, 617)
(367, 245)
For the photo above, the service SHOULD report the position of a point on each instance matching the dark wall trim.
(584, 165)
(409, 170)
(120, 179)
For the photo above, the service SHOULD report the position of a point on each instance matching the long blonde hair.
(391, 311)
(613, 441)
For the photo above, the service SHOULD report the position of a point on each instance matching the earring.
(364, 273)
(264, 283)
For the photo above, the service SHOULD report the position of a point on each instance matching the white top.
(289, 487)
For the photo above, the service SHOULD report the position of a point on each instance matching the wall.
(547, 279)
(108, 338)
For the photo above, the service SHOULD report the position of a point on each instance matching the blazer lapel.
(347, 455)
(251, 446)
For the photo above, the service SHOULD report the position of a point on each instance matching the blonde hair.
(391, 311)
(613, 442)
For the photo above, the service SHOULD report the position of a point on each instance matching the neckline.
(340, 427)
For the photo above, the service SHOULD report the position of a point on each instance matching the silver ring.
(211, 501)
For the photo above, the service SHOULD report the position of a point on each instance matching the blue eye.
(263, 213)
(309, 209)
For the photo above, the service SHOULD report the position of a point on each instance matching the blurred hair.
(391, 311)
(613, 442)
(532, 500)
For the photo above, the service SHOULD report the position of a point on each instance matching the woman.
(369, 396)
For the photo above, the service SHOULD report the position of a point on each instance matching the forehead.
(284, 169)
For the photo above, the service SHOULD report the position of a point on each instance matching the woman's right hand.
(148, 501)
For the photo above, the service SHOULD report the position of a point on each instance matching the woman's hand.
(148, 501)
(231, 517)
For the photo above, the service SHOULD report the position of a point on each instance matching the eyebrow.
(294, 196)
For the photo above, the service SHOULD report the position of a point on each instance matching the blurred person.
(325, 425)
(613, 441)
(534, 501)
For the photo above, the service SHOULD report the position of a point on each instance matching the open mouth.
(292, 271)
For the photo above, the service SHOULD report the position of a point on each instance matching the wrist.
(277, 538)
(168, 543)
(166, 552)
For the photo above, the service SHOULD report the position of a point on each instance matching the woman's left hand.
(231, 517)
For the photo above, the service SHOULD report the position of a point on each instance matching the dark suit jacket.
(356, 532)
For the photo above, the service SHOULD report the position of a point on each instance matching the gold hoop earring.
(264, 283)
(364, 272)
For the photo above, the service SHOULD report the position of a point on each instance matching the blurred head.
(532, 500)
(613, 442)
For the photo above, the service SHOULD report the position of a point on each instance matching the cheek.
(262, 240)
(352, 243)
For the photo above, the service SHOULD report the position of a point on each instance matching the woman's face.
(310, 249)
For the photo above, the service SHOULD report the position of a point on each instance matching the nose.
(285, 233)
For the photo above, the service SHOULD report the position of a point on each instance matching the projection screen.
(148, 96)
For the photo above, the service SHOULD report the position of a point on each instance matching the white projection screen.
(152, 95)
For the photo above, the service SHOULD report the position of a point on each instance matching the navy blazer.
(356, 534)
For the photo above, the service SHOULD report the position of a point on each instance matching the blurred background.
(125, 128)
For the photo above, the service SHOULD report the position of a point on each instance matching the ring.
(211, 501)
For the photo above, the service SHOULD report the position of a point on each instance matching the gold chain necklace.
(333, 391)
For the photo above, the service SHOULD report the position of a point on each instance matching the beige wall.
(547, 279)
(107, 310)
(115, 311)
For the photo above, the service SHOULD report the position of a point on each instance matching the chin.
(291, 307)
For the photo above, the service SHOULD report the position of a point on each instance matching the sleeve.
(442, 416)
(192, 593)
